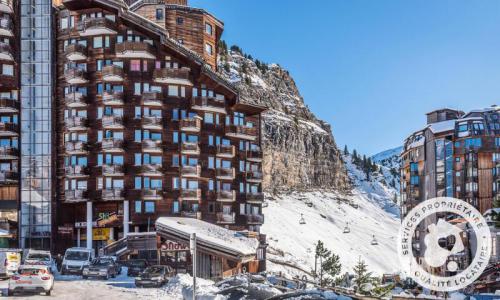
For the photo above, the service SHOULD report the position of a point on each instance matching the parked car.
(39, 257)
(154, 276)
(103, 267)
(10, 260)
(32, 278)
(75, 259)
(136, 266)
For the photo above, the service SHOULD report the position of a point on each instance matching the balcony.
(254, 198)
(6, 6)
(130, 49)
(152, 99)
(223, 218)
(75, 196)
(112, 122)
(191, 171)
(75, 76)
(151, 146)
(152, 122)
(254, 176)
(254, 155)
(6, 27)
(190, 125)
(75, 100)
(151, 195)
(76, 171)
(225, 173)
(172, 76)
(8, 177)
(8, 105)
(254, 219)
(191, 195)
(151, 170)
(225, 151)
(9, 129)
(209, 104)
(75, 147)
(190, 148)
(112, 73)
(112, 99)
(8, 153)
(226, 196)
(112, 170)
(76, 123)
(191, 214)
(6, 52)
(97, 26)
(242, 132)
(76, 52)
(112, 145)
(111, 194)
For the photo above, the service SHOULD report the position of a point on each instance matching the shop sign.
(98, 234)
(84, 224)
(171, 246)
(65, 230)
(107, 219)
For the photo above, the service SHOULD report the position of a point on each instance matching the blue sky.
(372, 69)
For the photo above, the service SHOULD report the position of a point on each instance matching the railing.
(96, 22)
(254, 175)
(194, 171)
(108, 144)
(8, 151)
(111, 194)
(208, 103)
(9, 103)
(152, 98)
(73, 74)
(134, 47)
(112, 170)
(254, 155)
(5, 48)
(166, 73)
(226, 218)
(193, 124)
(149, 168)
(151, 193)
(6, 24)
(76, 49)
(12, 127)
(75, 195)
(255, 197)
(75, 170)
(6, 176)
(225, 173)
(191, 214)
(112, 71)
(108, 121)
(151, 145)
(255, 219)
(73, 146)
(152, 121)
(225, 150)
(190, 147)
(75, 121)
(74, 98)
(194, 195)
(239, 130)
(226, 196)
(112, 98)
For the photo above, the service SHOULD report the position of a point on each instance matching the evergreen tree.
(346, 151)
(330, 265)
(355, 156)
(361, 274)
(496, 216)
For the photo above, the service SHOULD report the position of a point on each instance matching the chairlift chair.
(374, 241)
(302, 221)
(347, 229)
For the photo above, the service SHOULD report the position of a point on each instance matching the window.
(175, 137)
(135, 65)
(97, 42)
(138, 207)
(175, 183)
(209, 49)
(210, 140)
(211, 162)
(210, 184)
(473, 143)
(497, 141)
(209, 118)
(159, 14)
(208, 29)
(180, 21)
(149, 207)
(175, 207)
(8, 70)
(173, 90)
(107, 41)
(175, 160)
(137, 88)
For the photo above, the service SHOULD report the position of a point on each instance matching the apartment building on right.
(456, 154)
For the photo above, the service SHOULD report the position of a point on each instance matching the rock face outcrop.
(299, 150)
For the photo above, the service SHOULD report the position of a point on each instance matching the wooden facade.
(145, 129)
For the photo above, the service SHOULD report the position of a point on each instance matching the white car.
(33, 278)
(38, 257)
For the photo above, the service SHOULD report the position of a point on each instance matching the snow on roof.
(442, 126)
(210, 233)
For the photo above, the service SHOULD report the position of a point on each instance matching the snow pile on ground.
(326, 214)
(181, 287)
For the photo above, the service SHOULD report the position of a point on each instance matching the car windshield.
(101, 262)
(29, 271)
(77, 255)
(137, 263)
(38, 256)
(154, 270)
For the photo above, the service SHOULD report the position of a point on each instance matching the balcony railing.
(227, 151)
(97, 26)
(152, 146)
(254, 155)
(75, 147)
(172, 76)
(151, 194)
(191, 171)
(76, 52)
(191, 195)
(152, 170)
(226, 196)
(208, 104)
(190, 125)
(131, 49)
(75, 196)
(112, 194)
(6, 27)
(6, 6)
(9, 129)
(75, 100)
(242, 132)
(112, 98)
(9, 177)
(75, 123)
(112, 73)
(225, 173)
(75, 76)
(76, 171)
(109, 122)
(255, 219)
(112, 170)
(152, 122)
(8, 105)
(191, 148)
(152, 99)
(6, 52)
(112, 145)
(254, 176)
(191, 214)
(255, 197)
(7, 152)
(223, 218)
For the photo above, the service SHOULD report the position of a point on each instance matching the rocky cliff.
(299, 150)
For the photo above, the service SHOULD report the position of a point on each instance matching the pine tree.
(346, 151)
(330, 265)
(361, 274)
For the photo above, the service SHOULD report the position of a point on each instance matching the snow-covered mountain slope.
(326, 214)
(389, 162)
